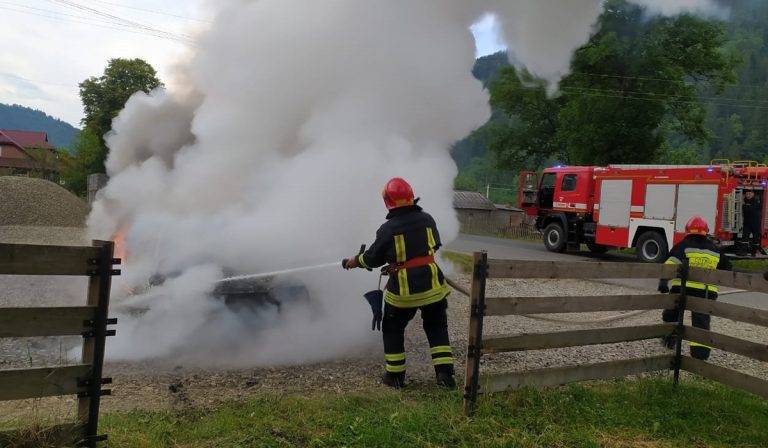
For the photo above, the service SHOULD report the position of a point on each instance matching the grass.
(459, 260)
(751, 265)
(623, 413)
(613, 414)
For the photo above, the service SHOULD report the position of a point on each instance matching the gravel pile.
(168, 386)
(28, 201)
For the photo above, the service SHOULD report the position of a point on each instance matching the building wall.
(11, 152)
(507, 218)
(474, 219)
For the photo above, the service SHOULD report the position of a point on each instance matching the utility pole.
(488, 191)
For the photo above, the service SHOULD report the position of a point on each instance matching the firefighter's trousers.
(751, 237)
(699, 320)
(435, 320)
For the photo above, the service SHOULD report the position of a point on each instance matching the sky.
(49, 46)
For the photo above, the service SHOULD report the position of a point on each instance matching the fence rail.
(482, 306)
(90, 321)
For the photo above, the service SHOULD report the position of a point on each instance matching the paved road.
(523, 250)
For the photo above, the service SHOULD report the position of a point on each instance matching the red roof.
(25, 139)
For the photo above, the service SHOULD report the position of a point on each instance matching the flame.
(120, 247)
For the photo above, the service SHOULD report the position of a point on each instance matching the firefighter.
(406, 243)
(752, 212)
(701, 252)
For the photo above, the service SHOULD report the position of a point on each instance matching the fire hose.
(615, 318)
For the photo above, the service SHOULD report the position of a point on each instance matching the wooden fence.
(90, 321)
(516, 232)
(482, 306)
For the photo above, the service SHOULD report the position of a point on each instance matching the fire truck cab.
(644, 207)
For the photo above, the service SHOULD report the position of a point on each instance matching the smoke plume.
(291, 117)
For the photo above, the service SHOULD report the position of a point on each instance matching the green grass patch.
(459, 260)
(750, 265)
(623, 413)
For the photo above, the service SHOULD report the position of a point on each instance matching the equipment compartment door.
(696, 200)
(615, 203)
(660, 201)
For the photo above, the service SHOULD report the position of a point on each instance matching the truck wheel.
(597, 248)
(554, 238)
(652, 247)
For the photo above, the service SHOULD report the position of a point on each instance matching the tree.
(103, 98)
(634, 83)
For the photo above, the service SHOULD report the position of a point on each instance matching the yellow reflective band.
(435, 278)
(395, 357)
(446, 360)
(696, 344)
(441, 348)
(395, 369)
(402, 280)
(673, 260)
(694, 285)
(431, 241)
(702, 260)
(420, 299)
(361, 261)
(400, 248)
(402, 274)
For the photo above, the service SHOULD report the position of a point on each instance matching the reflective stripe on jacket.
(702, 253)
(408, 233)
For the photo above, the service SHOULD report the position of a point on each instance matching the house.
(474, 210)
(28, 153)
(508, 216)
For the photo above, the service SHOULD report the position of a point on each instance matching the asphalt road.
(524, 250)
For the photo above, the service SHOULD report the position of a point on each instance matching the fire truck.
(644, 207)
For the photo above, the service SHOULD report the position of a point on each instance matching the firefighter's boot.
(394, 380)
(445, 379)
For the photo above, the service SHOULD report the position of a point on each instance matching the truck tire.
(652, 247)
(597, 248)
(555, 239)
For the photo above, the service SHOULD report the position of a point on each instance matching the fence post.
(684, 271)
(94, 342)
(475, 333)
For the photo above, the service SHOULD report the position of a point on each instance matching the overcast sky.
(49, 46)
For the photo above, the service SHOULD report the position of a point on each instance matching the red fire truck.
(641, 206)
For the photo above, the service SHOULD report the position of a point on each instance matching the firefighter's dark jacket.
(752, 211)
(701, 252)
(408, 233)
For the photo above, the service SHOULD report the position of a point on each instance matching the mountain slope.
(60, 133)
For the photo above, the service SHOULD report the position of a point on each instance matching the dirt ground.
(156, 385)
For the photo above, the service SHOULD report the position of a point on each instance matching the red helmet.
(397, 193)
(697, 226)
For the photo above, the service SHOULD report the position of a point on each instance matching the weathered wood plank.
(574, 338)
(56, 321)
(503, 306)
(30, 259)
(578, 269)
(18, 384)
(564, 375)
(739, 280)
(475, 332)
(727, 310)
(728, 343)
(725, 376)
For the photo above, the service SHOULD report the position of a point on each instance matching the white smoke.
(292, 116)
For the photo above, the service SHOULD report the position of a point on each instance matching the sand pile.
(26, 201)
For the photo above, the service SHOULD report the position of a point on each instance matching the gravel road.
(168, 386)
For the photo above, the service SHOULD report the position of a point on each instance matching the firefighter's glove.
(376, 301)
(663, 287)
(349, 263)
